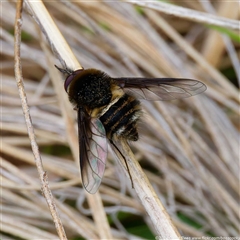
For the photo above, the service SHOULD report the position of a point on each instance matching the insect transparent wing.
(155, 89)
(93, 151)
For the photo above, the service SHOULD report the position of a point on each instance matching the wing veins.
(161, 88)
(93, 150)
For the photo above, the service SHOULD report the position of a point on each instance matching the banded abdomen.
(121, 118)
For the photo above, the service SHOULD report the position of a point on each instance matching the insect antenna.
(125, 160)
(64, 70)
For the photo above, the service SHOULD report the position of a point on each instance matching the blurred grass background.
(188, 148)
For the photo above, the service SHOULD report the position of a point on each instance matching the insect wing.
(155, 89)
(93, 151)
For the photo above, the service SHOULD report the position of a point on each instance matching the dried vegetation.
(188, 149)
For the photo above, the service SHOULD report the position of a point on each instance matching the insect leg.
(124, 160)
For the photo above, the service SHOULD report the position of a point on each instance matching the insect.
(108, 108)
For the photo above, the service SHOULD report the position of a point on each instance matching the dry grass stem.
(152, 204)
(42, 174)
(53, 35)
(190, 14)
(188, 149)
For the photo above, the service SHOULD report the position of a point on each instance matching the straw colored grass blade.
(188, 149)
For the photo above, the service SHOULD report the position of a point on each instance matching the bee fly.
(108, 108)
